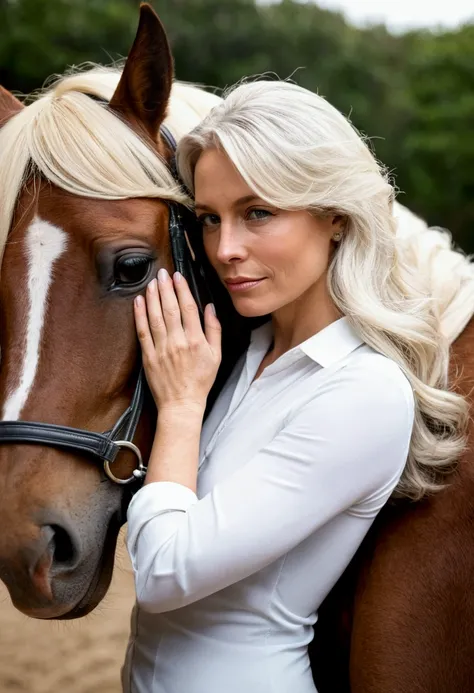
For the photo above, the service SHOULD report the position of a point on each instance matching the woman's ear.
(338, 224)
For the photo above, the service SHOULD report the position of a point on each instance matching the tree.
(412, 95)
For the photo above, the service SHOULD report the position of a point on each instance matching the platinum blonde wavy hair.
(80, 145)
(402, 286)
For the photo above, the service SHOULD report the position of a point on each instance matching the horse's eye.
(132, 269)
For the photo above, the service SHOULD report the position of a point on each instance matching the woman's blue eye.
(259, 214)
(209, 219)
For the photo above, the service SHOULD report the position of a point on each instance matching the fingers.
(190, 317)
(188, 308)
(170, 311)
(212, 328)
(143, 327)
(155, 314)
(170, 307)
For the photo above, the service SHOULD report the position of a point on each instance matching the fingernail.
(177, 276)
(152, 285)
(213, 309)
(163, 275)
(138, 301)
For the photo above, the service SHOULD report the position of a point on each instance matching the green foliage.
(412, 94)
(41, 37)
(439, 144)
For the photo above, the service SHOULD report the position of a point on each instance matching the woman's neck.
(301, 319)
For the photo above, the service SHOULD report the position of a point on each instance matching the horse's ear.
(143, 92)
(9, 105)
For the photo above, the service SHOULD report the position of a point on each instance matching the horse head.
(84, 226)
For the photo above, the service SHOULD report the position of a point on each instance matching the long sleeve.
(346, 447)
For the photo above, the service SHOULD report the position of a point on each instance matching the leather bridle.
(106, 446)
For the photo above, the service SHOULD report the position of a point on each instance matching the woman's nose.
(230, 247)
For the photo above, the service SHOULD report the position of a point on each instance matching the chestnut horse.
(84, 224)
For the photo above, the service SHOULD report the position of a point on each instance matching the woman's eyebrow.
(237, 203)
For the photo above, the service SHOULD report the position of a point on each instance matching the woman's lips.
(242, 285)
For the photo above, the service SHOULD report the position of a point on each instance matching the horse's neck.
(461, 367)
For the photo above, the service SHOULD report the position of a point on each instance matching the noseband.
(106, 446)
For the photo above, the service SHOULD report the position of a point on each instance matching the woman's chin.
(250, 309)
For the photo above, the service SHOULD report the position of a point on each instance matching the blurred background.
(402, 70)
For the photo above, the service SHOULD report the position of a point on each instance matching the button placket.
(244, 382)
(211, 445)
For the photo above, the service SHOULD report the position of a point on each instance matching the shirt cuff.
(155, 499)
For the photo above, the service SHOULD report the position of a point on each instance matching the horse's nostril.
(64, 549)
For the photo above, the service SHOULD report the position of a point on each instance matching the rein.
(106, 446)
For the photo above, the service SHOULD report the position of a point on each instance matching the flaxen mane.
(80, 145)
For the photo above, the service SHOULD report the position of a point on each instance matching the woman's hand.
(180, 360)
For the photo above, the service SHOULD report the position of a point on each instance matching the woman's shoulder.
(376, 377)
(374, 365)
(363, 410)
(365, 379)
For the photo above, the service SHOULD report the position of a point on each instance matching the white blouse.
(293, 469)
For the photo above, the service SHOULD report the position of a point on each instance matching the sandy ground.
(72, 657)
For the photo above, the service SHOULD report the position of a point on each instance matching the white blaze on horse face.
(45, 243)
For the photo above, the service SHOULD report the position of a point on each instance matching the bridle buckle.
(138, 474)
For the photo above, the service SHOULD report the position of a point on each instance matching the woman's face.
(266, 257)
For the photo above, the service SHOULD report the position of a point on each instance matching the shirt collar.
(329, 345)
(333, 343)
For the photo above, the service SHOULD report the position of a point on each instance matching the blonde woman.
(245, 523)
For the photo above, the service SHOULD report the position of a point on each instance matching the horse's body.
(401, 617)
(77, 248)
